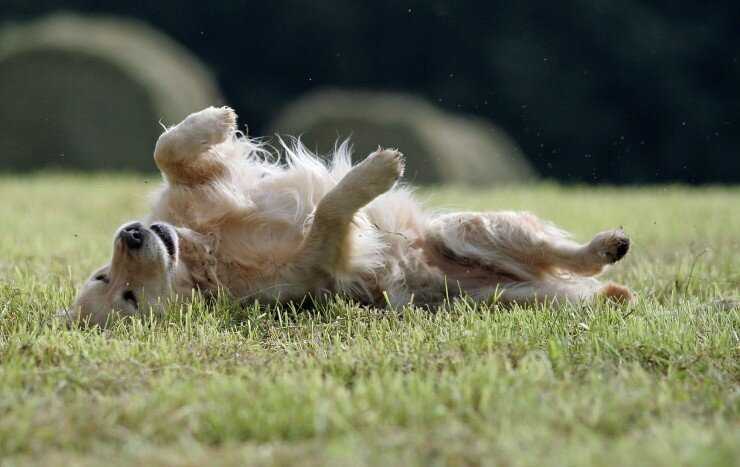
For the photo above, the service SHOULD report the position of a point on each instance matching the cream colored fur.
(264, 229)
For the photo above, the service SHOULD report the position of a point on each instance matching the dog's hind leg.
(523, 245)
(590, 259)
(184, 152)
(572, 290)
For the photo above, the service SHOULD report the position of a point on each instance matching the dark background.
(592, 90)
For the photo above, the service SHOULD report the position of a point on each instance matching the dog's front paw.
(610, 246)
(209, 126)
(381, 169)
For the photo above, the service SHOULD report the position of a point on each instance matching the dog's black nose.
(132, 235)
(622, 248)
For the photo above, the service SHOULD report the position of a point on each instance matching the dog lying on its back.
(230, 217)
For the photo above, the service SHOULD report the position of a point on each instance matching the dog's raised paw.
(380, 170)
(610, 246)
(388, 163)
(210, 126)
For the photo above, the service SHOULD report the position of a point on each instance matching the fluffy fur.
(232, 216)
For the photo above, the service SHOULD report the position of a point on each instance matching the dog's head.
(139, 277)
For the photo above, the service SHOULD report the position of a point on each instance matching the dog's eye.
(102, 278)
(131, 298)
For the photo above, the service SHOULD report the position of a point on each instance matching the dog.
(232, 216)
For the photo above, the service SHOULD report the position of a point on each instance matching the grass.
(216, 384)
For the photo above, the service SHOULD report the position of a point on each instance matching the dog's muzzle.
(132, 236)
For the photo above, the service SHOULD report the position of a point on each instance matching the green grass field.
(215, 384)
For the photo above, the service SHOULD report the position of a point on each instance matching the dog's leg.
(605, 248)
(327, 245)
(573, 290)
(531, 253)
(522, 244)
(184, 152)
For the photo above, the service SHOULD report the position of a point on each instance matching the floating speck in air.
(587, 156)
(683, 123)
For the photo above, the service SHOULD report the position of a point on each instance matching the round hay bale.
(88, 92)
(439, 147)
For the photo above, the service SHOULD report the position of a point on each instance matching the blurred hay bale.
(88, 92)
(439, 147)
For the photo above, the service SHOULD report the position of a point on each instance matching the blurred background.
(580, 91)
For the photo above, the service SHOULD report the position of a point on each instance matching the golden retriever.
(230, 216)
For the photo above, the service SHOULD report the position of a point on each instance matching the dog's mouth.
(166, 236)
